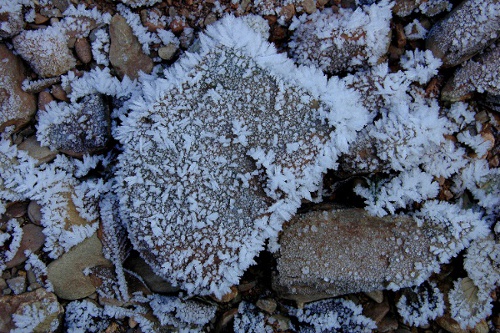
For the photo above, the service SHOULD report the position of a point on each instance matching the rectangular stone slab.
(330, 253)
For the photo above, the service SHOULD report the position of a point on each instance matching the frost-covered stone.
(325, 254)
(46, 50)
(481, 75)
(75, 129)
(66, 273)
(37, 311)
(221, 152)
(330, 253)
(139, 3)
(336, 42)
(420, 304)
(17, 107)
(11, 18)
(468, 29)
(125, 51)
(32, 240)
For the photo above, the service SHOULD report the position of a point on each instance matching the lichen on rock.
(221, 153)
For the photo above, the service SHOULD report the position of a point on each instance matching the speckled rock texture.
(17, 107)
(331, 253)
(468, 29)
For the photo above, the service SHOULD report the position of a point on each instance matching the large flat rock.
(330, 253)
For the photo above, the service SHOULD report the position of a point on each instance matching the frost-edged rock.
(46, 50)
(125, 51)
(481, 75)
(17, 107)
(330, 253)
(333, 253)
(37, 311)
(34, 149)
(67, 272)
(336, 42)
(11, 18)
(468, 29)
(221, 152)
(75, 129)
(32, 240)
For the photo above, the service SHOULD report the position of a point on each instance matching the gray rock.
(84, 130)
(66, 273)
(330, 253)
(481, 75)
(17, 107)
(17, 284)
(167, 52)
(47, 311)
(46, 50)
(125, 52)
(468, 29)
(32, 240)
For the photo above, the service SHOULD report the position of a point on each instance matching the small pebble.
(83, 50)
(35, 212)
(17, 284)
(59, 93)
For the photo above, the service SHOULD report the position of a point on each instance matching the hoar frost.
(221, 153)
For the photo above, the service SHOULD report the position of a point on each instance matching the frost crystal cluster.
(336, 42)
(220, 153)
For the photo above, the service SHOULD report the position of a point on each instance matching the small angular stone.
(330, 253)
(34, 149)
(125, 53)
(66, 273)
(17, 107)
(167, 52)
(45, 304)
(83, 50)
(17, 284)
(468, 29)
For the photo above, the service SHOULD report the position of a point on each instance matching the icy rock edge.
(220, 153)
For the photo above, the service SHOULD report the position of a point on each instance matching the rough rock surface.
(82, 128)
(32, 240)
(17, 107)
(46, 50)
(481, 75)
(125, 52)
(11, 23)
(66, 273)
(468, 29)
(330, 253)
(34, 149)
(43, 307)
(336, 42)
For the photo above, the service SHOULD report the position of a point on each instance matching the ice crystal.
(220, 153)
(341, 41)
(420, 304)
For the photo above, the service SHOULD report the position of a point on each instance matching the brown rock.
(125, 52)
(32, 240)
(35, 212)
(267, 304)
(468, 29)
(388, 324)
(44, 98)
(59, 93)
(83, 50)
(17, 107)
(177, 25)
(46, 50)
(44, 303)
(66, 273)
(287, 12)
(34, 149)
(167, 52)
(377, 311)
(309, 6)
(330, 253)
(229, 296)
